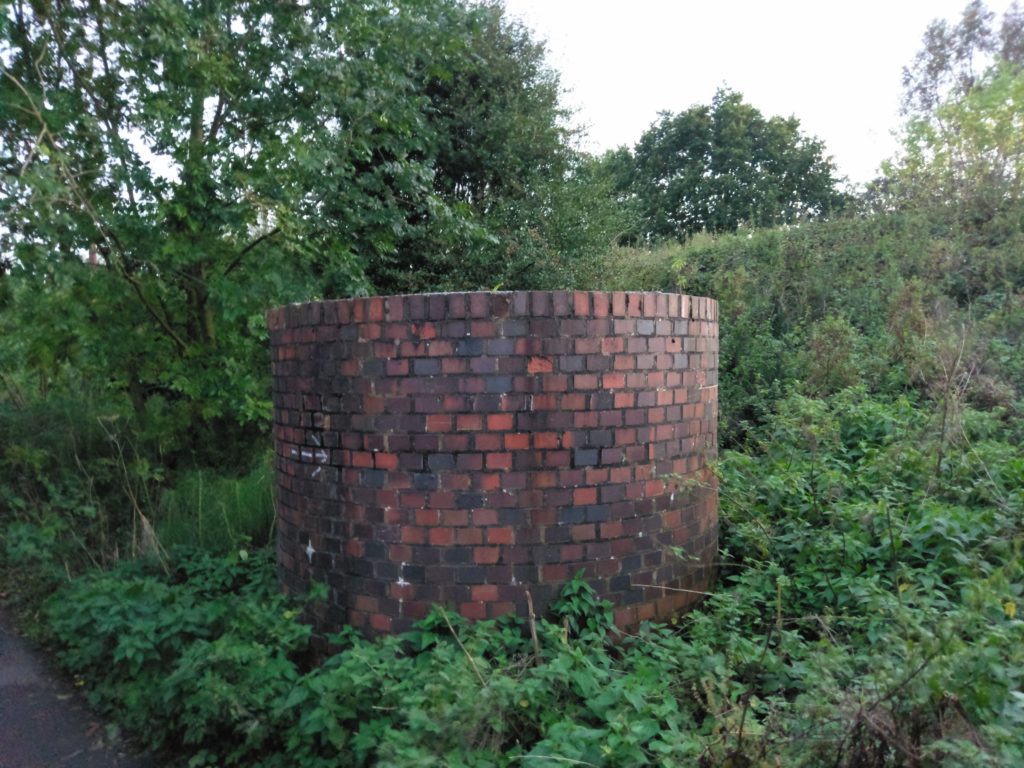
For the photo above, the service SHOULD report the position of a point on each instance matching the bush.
(638, 269)
(867, 616)
(873, 301)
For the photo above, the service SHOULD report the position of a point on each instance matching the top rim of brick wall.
(472, 304)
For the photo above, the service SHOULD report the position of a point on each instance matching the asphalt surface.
(43, 721)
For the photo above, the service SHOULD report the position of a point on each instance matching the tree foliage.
(171, 169)
(713, 168)
(953, 58)
(962, 158)
(534, 213)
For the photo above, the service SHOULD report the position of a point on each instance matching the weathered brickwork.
(462, 448)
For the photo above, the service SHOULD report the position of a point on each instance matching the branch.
(241, 255)
(161, 321)
(472, 663)
(108, 235)
(218, 119)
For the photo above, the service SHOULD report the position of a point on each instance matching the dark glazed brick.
(496, 384)
(425, 367)
(441, 461)
(584, 457)
(515, 327)
(424, 481)
(469, 347)
(470, 500)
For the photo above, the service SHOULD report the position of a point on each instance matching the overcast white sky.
(835, 65)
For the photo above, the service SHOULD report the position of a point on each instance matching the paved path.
(43, 721)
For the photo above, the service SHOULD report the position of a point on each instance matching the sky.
(836, 66)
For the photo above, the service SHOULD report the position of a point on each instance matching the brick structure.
(462, 448)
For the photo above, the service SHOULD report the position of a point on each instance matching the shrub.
(867, 616)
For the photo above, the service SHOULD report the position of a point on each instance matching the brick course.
(462, 448)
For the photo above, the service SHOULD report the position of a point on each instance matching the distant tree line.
(714, 168)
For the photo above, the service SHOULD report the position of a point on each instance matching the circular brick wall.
(463, 448)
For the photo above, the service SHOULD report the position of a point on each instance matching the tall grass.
(218, 513)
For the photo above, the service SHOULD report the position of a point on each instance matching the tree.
(532, 212)
(171, 169)
(963, 143)
(967, 156)
(953, 60)
(715, 167)
(961, 164)
(188, 150)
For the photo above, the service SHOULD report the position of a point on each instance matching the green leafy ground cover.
(867, 615)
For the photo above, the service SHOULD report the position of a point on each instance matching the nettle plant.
(866, 615)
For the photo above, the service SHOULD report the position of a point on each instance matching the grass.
(218, 513)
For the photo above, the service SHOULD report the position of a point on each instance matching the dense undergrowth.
(867, 615)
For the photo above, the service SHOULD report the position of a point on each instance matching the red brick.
(476, 611)
(484, 592)
(613, 380)
(363, 459)
(438, 422)
(401, 590)
(583, 496)
(441, 537)
(489, 482)
(570, 553)
(625, 617)
(556, 383)
(546, 440)
(500, 422)
(619, 303)
(518, 441)
(494, 610)
(397, 367)
(482, 517)
(584, 532)
(555, 572)
(486, 555)
(469, 536)
(500, 535)
(581, 303)
(499, 460)
(365, 603)
(538, 364)
(467, 422)
(385, 461)
(488, 442)
(623, 547)
(455, 517)
(354, 548)
(412, 535)
(483, 329)
(611, 530)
